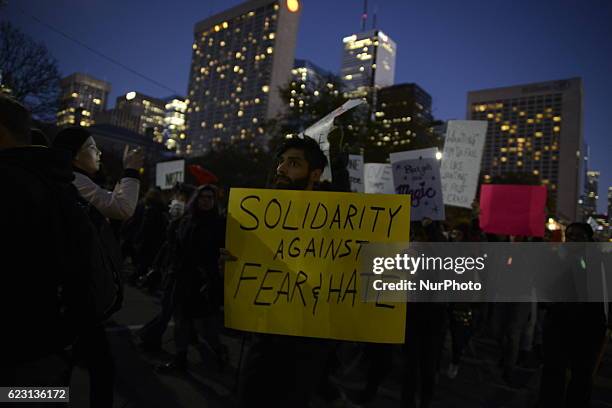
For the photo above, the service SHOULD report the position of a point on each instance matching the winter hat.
(71, 139)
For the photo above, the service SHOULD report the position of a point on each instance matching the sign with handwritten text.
(355, 170)
(378, 178)
(461, 161)
(298, 257)
(167, 174)
(420, 178)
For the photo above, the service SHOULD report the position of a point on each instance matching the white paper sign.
(320, 130)
(378, 178)
(460, 166)
(420, 178)
(355, 170)
(167, 174)
(413, 154)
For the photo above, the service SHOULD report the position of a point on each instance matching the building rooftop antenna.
(364, 16)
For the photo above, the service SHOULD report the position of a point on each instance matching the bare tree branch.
(29, 72)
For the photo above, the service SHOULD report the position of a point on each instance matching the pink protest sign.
(513, 209)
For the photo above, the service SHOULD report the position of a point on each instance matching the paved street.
(478, 384)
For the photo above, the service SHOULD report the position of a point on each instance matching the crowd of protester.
(65, 283)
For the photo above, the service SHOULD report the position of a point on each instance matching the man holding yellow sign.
(295, 274)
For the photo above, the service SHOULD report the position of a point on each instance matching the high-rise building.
(537, 129)
(241, 57)
(368, 62)
(308, 83)
(405, 113)
(174, 125)
(610, 205)
(82, 98)
(139, 113)
(591, 194)
(309, 79)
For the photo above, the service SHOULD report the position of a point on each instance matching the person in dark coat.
(43, 296)
(151, 232)
(198, 285)
(574, 335)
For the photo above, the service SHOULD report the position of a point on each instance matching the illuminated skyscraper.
(241, 57)
(610, 205)
(591, 194)
(138, 112)
(405, 113)
(174, 125)
(368, 62)
(537, 129)
(82, 98)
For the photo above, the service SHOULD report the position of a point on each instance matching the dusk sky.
(447, 47)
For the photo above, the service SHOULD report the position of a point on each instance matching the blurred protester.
(425, 329)
(150, 237)
(198, 286)
(151, 333)
(43, 295)
(460, 314)
(574, 334)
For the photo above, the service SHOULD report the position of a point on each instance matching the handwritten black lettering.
(243, 208)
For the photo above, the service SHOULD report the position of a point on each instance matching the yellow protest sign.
(298, 261)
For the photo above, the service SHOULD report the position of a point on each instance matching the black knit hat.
(71, 139)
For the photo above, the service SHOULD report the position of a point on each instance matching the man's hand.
(225, 256)
(133, 158)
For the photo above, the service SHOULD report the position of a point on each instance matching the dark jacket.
(43, 277)
(194, 260)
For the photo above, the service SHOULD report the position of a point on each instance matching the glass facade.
(368, 60)
(175, 137)
(404, 111)
(526, 124)
(235, 57)
(82, 98)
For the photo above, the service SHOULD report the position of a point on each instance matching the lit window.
(265, 88)
(505, 127)
(270, 50)
(536, 172)
(240, 113)
(557, 118)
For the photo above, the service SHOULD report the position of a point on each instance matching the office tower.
(82, 98)
(610, 205)
(535, 128)
(308, 84)
(241, 57)
(368, 62)
(591, 194)
(139, 113)
(174, 125)
(404, 110)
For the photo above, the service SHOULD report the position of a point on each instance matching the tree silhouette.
(28, 72)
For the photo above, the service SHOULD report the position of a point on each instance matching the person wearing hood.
(42, 291)
(118, 204)
(198, 286)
